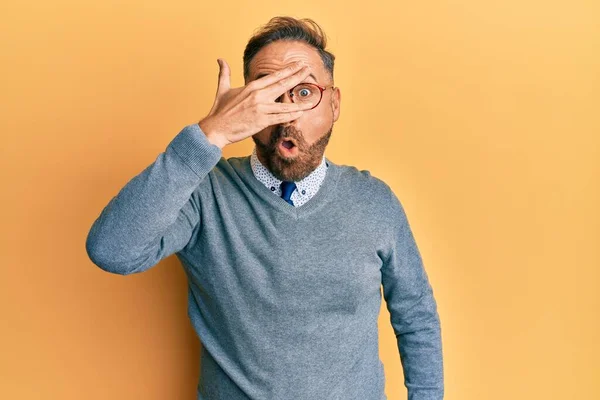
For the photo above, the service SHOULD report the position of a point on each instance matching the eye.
(304, 92)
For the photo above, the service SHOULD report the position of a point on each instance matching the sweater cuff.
(194, 148)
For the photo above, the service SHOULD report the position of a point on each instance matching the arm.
(155, 214)
(413, 311)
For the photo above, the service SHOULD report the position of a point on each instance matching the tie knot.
(287, 187)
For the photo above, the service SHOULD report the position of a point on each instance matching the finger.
(278, 75)
(284, 117)
(224, 77)
(278, 108)
(276, 89)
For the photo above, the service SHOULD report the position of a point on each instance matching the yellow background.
(483, 116)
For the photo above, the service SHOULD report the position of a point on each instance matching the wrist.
(211, 134)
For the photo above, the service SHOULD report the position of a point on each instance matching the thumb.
(224, 77)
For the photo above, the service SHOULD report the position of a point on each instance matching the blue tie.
(287, 187)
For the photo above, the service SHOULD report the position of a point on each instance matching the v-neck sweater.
(284, 299)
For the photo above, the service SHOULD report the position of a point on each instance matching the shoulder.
(366, 183)
(362, 187)
(226, 169)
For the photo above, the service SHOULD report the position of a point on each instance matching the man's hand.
(241, 112)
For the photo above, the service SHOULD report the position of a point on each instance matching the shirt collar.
(309, 184)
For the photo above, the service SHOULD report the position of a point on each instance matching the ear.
(336, 99)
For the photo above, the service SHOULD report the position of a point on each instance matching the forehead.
(281, 53)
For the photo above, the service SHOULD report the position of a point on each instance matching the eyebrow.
(311, 75)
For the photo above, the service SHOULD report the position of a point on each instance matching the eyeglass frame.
(321, 88)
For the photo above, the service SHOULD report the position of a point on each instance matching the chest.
(329, 262)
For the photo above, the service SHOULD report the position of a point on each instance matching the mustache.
(285, 132)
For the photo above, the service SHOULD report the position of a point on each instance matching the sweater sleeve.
(413, 311)
(155, 214)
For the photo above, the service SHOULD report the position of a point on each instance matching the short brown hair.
(288, 28)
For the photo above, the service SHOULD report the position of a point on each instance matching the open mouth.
(288, 147)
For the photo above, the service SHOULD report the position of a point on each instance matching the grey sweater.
(284, 299)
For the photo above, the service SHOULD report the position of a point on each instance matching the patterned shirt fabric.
(305, 188)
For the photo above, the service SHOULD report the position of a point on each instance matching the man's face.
(312, 130)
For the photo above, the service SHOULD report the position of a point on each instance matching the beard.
(296, 168)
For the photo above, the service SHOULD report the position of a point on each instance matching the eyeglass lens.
(305, 93)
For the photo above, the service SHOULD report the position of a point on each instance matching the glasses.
(307, 93)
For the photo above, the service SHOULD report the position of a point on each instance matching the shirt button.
(304, 192)
(272, 188)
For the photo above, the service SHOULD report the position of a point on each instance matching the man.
(285, 251)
